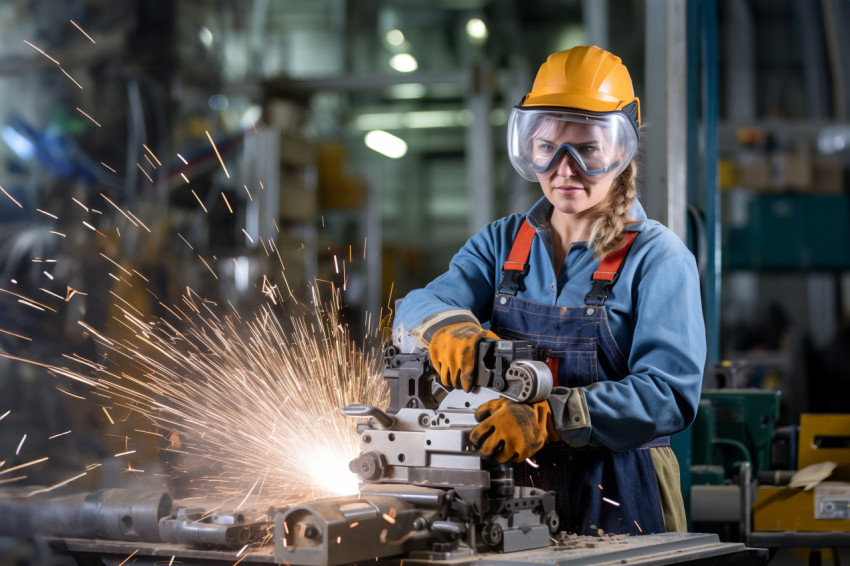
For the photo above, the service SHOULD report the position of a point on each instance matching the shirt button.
(502, 301)
(552, 286)
(590, 311)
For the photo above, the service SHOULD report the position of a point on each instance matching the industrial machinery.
(426, 496)
(424, 485)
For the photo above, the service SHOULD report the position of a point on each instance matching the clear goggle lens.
(595, 143)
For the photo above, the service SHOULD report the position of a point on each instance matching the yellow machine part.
(787, 509)
(824, 438)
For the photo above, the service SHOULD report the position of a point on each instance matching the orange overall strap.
(611, 263)
(609, 269)
(516, 266)
(518, 258)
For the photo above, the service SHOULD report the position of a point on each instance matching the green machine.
(733, 426)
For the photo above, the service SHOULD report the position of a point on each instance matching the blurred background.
(366, 140)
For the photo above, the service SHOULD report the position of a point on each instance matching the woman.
(611, 297)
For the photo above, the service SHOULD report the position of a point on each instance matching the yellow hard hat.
(582, 103)
(584, 78)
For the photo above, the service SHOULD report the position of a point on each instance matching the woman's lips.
(569, 190)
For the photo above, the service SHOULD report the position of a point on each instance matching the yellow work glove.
(511, 431)
(453, 353)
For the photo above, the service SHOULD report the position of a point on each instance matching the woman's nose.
(565, 166)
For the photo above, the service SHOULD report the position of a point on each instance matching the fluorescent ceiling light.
(386, 144)
(206, 36)
(403, 63)
(476, 30)
(413, 120)
(406, 91)
(394, 37)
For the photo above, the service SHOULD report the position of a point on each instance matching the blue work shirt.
(654, 312)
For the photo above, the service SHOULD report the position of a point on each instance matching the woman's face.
(567, 187)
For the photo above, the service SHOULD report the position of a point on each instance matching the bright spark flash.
(256, 399)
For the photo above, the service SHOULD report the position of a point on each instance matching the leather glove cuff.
(570, 416)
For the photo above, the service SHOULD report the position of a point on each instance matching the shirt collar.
(538, 216)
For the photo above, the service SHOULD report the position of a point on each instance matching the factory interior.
(209, 209)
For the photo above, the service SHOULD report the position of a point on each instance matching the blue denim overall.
(596, 487)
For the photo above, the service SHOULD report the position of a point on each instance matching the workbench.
(695, 549)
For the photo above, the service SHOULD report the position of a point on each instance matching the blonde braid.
(606, 228)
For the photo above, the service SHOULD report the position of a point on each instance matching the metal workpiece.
(112, 514)
(128, 515)
(198, 527)
(344, 530)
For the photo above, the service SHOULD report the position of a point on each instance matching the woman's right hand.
(453, 350)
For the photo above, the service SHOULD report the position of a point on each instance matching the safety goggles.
(595, 143)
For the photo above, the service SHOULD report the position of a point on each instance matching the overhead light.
(407, 91)
(404, 63)
(23, 147)
(476, 30)
(251, 116)
(206, 36)
(386, 144)
(394, 37)
(218, 102)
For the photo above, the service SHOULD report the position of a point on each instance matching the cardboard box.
(787, 169)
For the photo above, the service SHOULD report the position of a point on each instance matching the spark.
(58, 233)
(249, 193)
(241, 551)
(20, 444)
(30, 304)
(6, 414)
(150, 162)
(224, 196)
(108, 167)
(185, 240)
(108, 416)
(53, 216)
(599, 486)
(138, 222)
(638, 526)
(261, 186)
(247, 235)
(89, 117)
(113, 262)
(81, 30)
(185, 178)
(199, 200)
(220, 160)
(28, 464)
(127, 453)
(58, 435)
(28, 301)
(152, 155)
(183, 159)
(11, 197)
(16, 336)
(142, 169)
(48, 274)
(10, 480)
(116, 207)
(612, 502)
(208, 266)
(129, 557)
(42, 52)
(532, 463)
